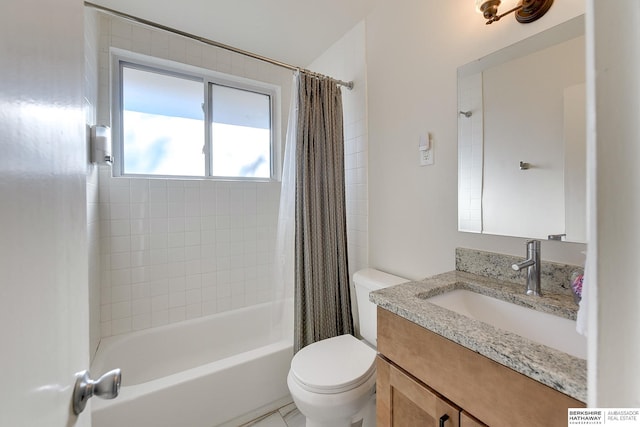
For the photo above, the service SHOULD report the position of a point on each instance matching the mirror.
(522, 140)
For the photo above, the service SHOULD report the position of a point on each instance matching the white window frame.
(208, 77)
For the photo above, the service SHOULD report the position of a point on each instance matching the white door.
(43, 240)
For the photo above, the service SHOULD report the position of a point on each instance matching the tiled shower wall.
(178, 249)
(175, 249)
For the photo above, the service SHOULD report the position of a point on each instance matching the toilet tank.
(365, 281)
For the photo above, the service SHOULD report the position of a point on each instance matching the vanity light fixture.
(526, 11)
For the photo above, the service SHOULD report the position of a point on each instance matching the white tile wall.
(177, 249)
(173, 250)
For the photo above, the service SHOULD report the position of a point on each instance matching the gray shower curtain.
(322, 296)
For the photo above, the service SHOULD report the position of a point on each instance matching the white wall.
(413, 49)
(177, 249)
(614, 189)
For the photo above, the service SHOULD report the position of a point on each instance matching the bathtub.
(203, 372)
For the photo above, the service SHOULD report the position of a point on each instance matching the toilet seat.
(333, 365)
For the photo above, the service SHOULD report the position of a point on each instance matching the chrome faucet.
(532, 263)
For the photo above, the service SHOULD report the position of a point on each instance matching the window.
(172, 122)
(240, 132)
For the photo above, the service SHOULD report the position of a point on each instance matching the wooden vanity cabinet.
(423, 376)
(466, 420)
(406, 402)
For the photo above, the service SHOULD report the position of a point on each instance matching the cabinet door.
(467, 420)
(404, 402)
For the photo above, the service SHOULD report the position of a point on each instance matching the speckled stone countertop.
(559, 370)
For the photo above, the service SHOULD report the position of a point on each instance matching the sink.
(553, 331)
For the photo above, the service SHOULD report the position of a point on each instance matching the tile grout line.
(260, 418)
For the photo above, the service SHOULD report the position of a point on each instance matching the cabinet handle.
(443, 419)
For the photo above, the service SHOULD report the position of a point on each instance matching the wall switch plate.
(425, 149)
(426, 157)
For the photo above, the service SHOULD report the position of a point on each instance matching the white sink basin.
(543, 328)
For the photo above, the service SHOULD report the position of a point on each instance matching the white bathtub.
(202, 372)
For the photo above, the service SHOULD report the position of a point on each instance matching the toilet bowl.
(333, 381)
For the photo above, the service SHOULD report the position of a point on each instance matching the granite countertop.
(559, 370)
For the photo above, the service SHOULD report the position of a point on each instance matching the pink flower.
(576, 285)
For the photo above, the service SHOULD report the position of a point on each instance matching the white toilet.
(333, 381)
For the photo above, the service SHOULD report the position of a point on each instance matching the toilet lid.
(333, 365)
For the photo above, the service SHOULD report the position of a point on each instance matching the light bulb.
(479, 4)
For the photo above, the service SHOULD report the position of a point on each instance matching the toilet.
(333, 381)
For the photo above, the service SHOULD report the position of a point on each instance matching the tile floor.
(287, 416)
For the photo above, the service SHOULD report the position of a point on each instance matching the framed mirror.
(522, 139)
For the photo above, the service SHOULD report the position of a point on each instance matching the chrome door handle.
(106, 387)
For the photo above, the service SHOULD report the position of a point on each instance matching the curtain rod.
(348, 85)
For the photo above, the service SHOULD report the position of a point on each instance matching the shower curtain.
(322, 307)
(284, 275)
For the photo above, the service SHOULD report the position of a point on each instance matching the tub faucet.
(532, 263)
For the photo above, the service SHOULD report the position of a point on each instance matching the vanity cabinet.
(467, 420)
(423, 376)
(407, 402)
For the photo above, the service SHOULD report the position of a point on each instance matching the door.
(402, 401)
(466, 420)
(43, 240)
